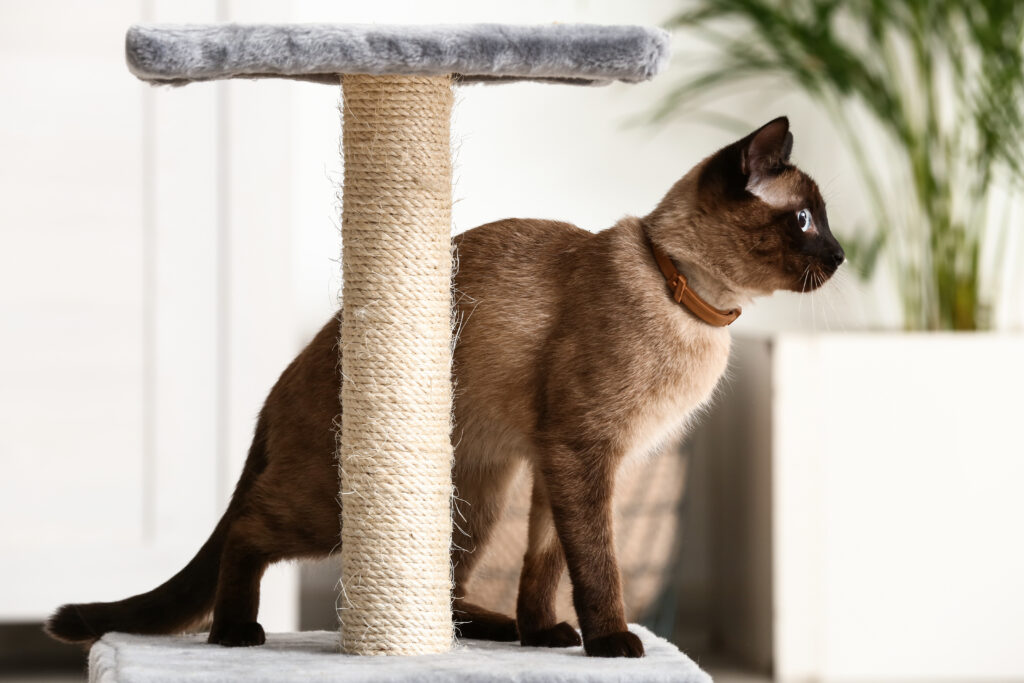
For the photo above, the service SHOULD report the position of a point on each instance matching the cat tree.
(395, 453)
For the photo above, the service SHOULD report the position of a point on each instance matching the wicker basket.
(648, 509)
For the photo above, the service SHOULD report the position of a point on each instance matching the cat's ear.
(767, 149)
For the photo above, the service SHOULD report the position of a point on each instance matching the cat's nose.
(838, 256)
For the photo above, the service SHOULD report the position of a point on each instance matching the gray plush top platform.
(313, 656)
(580, 54)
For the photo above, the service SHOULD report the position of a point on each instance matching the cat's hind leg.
(238, 595)
(481, 499)
(280, 524)
(477, 623)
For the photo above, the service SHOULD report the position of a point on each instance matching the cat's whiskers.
(814, 301)
(821, 280)
(803, 291)
(833, 288)
(845, 288)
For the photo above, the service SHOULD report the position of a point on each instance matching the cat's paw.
(624, 644)
(243, 634)
(559, 635)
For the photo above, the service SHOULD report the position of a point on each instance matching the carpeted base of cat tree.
(313, 656)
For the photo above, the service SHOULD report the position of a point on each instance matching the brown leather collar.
(682, 294)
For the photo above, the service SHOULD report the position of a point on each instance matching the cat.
(576, 353)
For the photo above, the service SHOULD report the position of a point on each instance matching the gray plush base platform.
(313, 656)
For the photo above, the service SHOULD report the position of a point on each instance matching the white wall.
(131, 292)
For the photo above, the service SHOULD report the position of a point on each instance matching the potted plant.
(883, 466)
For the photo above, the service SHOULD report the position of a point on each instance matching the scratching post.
(395, 453)
(395, 459)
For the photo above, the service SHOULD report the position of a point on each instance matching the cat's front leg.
(579, 487)
(543, 566)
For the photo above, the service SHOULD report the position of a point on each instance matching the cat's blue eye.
(803, 219)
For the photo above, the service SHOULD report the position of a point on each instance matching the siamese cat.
(579, 351)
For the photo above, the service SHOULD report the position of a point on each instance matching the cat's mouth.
(820, 269)
(815, 275)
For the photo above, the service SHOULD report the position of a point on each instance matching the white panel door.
(138, 276)
(72, 295)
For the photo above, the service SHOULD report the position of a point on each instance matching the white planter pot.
(868, 508)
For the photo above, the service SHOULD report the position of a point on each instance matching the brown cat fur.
(572, 358)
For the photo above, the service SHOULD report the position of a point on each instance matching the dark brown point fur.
(571, 359)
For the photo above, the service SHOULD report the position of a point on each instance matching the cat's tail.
(180, 602)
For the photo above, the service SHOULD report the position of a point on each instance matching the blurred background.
(849, 509)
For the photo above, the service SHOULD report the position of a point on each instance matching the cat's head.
(752, 218)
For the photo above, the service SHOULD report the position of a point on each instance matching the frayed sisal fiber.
(312, 657)
(395, 458)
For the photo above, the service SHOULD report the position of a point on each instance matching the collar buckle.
(682, 294)
(678, 286)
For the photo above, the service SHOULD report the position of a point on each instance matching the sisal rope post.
(395, 455)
